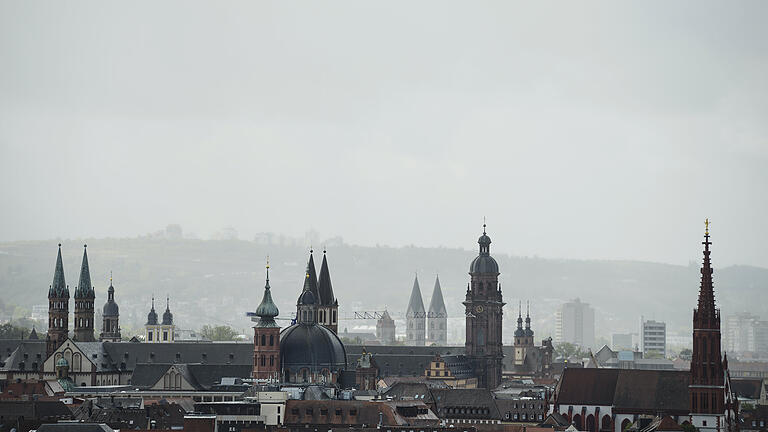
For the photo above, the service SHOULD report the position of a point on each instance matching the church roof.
(313, 278)
(84, 288)
(415, 304)
(325, 288)
(267, 310)
(631, 390)
(436, 303)
(59, 287)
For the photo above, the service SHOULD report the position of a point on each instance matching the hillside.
(216, 282)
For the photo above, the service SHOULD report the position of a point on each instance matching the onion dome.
(484, 263)
(167, 315)
(519, 332)
(152, 315)
(110, 307)
(267, 310)
(528, 331)
(313, 347)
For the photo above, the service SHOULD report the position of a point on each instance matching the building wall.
(576, 324)
(653, 337)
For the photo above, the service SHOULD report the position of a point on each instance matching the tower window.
(271, 340)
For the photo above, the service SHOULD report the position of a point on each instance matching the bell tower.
(58, 309)
(484, 309)
(266, 338)
(84, 297)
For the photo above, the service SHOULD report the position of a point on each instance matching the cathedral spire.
(313, 277)
(59, 286)
(267, 310)
(84, 288)
(415, 303)
(437, 303)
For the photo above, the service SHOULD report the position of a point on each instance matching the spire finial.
(85, 246)
(520, 309)
(527, 308)
(311, 249)
(59, 245)
(153, 301)
(167, 302)
(483, 224)
(110, 278)
(706, 226)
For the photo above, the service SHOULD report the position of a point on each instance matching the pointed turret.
(313, 277)
(167, 315)
(267, 310)
(706, 311)
(415, 304)
(436, 303)
(152, 315)
(325, 288)
(110, 326)
(59, 287)
(84, 288)
(528, 330)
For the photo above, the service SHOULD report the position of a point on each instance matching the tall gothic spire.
(325, 288)
(706, 306)
(59, 286)
(84, 288)
(313, 277)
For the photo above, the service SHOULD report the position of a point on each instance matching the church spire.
(59, 286)
(325, 288)
(267, 310)
(313, 277)
(84, 288)
(706, 311)
(415, 303)
(436, 303)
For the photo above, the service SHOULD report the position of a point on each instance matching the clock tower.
(483, 310)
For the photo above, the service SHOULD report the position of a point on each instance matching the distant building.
(437, 317)
(159, 331)
(575, 323)
(415, 317)
(746, 333)
(653, 337)
(621, 341)
(385, 329)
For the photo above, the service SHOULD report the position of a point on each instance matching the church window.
(271, 360)
(263, 339)
(263, 360)
(165, 335)
(149, 335)
(271, 340)
(334, 317)
(256, 339)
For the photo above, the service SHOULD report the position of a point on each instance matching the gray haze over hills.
(217, 281)
(587, 130)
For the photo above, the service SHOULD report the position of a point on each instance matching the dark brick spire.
(84, 288)
(59, 287)
(325, 288)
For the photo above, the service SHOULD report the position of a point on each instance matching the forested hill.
(216, 282)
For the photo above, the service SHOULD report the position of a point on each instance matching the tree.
(218, 333)
(686, 354)
(10, 331)
(567, 350)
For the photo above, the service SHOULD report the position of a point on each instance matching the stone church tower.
(58, 309)
(437, 317)
(110, 327)
(483, 309)
(415, 317)
(84, 297)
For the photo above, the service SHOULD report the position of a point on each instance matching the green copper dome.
(62, 362)
(267, 310)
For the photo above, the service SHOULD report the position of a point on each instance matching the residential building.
(653, 338)
(575, 323)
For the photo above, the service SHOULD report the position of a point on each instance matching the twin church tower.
(58, 309)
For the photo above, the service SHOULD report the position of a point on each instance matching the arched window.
(606, 423)
(263, 339)
(591, 423)
(178, 382)
(271, 340)
(272, 360)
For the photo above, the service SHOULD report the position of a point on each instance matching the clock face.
(479, 308)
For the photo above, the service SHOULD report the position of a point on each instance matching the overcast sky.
(580, 130)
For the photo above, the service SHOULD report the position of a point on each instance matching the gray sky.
(581, 130)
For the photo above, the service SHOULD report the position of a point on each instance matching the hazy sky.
(581, 130)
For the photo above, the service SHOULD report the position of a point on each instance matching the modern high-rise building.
(575, 323)
(746, 333)
(653, 337)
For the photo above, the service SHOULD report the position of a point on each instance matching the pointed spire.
(59, 286)
(706, 306)
(436, 303)
(313, 276)
(325, 288)
(415, 304)
(528, 331)
(152, 315)
(520, 314)
(84, 288)
(167, 315)
(111, 289)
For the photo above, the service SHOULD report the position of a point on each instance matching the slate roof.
(188, 352)
(627, 390)
(74, 427)
(747, 388)
(313, 278)
(26, 352)
(474, 399)
(201, 377)
(35, 409)
(436, 303)
(415, 304)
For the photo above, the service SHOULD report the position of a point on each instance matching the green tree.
(686, 354)
(218, 333)
(10, 331)
(566, 350)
